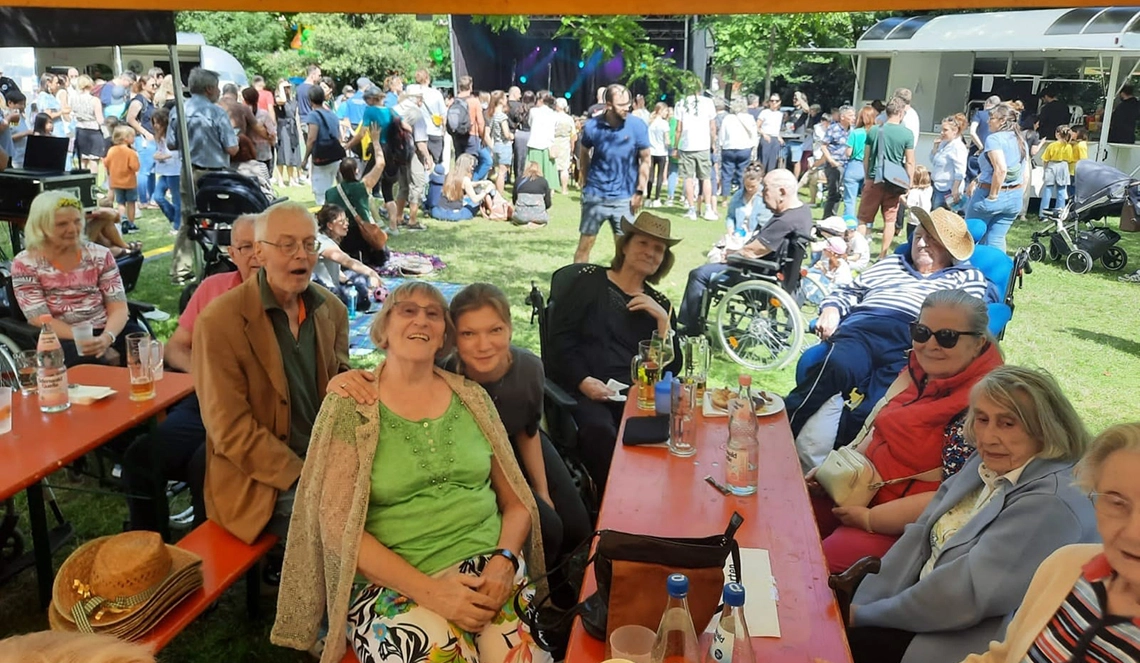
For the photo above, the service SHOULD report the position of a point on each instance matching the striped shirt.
(1081, 631)
(894, 286)
(79, 295)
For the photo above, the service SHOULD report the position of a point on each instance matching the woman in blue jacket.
(746, 208)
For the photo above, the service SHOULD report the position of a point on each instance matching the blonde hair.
(41, 216)
(921, 177)
(83, 82)
(67, 646)
(1121, 437)
(480, 295)
(1035, 397)
(378, 332)
(123, 134)
(453, 183)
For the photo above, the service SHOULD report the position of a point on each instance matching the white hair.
(201, 79)
(262, 222)
(781, 178)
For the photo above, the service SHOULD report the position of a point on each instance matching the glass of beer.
(140, 365)
(26, 371)
(646, 371)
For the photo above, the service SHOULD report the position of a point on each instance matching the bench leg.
(253, 590)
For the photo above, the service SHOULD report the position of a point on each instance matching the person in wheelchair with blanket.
(866, 326)
(790, 218)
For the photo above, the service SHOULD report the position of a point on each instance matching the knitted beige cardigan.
(330, 508)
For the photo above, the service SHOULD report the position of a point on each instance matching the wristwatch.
(511, 557)
(641, 193)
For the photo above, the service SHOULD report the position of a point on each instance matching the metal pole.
(1109, 97)
(188, 190)
(451, 45)
(688, 64)
(860, 74)
(117, 52)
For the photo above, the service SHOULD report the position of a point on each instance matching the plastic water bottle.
(51, 372)
(731, 643)
(662, 394)
(351, 303)
(743, 449)
(676, 638)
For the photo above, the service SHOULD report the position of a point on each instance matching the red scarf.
(910, 430)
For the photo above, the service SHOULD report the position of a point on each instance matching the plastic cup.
(5, 410)
(633, 643)
(83, 333)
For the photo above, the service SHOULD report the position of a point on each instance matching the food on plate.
(720, 397)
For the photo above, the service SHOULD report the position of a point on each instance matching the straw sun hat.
(948, 229)
(652, 225)
(122, 585)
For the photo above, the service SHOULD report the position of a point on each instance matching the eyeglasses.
(409, 310)
(289, 247)
(773, 101)
(244, 249)
(1112, 506)
(947, 338)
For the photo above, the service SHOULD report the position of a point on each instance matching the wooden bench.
(225, 558)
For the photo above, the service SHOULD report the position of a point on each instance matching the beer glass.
(645, 371)
(140, 350)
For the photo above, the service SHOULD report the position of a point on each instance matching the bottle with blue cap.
(731, 643)
(676, 638)
(662, 393)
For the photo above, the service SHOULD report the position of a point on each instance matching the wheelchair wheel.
(1037, 251)
(811, 294)
(759, 325)
(1079, 262)
(1114, 259)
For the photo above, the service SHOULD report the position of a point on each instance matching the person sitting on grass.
(63, 278)
(366, 240)
(746, 208)
(122, 164)
(462, 198)
(337, 271)
(532, 197)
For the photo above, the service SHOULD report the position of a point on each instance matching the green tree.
(248, 36)
(757, 49)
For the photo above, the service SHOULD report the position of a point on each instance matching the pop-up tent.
(86, 28)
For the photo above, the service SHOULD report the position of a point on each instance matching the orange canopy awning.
(664, 7)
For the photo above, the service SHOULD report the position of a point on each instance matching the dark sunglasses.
(947, 338)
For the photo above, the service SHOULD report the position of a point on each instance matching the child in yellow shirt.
(1057, 157)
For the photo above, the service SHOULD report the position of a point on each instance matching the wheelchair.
(752, 309)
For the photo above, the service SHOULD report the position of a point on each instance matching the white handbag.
(851, 479)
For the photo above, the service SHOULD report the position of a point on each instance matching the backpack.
(458, 118)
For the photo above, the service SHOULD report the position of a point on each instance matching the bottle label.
(721, 649)
(736, 472)
(52, 387)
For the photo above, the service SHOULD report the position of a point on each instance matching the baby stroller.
(1099, 191)
(222, 197)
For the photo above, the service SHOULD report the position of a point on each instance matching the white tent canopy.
(1042, 30)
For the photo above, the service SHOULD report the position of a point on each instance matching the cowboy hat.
(122, 584)
(652, 225)
(948, 229)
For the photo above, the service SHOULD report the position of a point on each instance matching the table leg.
(40, 542)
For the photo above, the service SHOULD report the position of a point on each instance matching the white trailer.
(953, 62)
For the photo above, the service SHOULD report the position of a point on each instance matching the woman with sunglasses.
(916, 430)
(946, 587)
(421, 497)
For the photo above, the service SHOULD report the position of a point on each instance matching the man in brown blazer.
(262, 356)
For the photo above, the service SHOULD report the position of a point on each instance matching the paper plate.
(774, 407)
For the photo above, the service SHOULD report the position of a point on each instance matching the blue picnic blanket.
(359, 342)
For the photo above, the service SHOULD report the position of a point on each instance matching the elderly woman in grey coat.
(947, 585)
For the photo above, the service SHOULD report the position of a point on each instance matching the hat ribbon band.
(83, 610)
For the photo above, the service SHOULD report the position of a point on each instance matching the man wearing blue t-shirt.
(614, 162)
(304, 106)
(374, 121)
(351, 110)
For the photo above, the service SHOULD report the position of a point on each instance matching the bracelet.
(110, 333)
(511, 557)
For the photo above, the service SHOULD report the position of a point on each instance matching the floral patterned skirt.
(385, 626)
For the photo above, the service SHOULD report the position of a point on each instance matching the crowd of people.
(418, 500)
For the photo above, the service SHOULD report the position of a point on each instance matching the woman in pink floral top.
(63, 276)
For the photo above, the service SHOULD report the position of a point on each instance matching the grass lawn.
(1081, 328)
